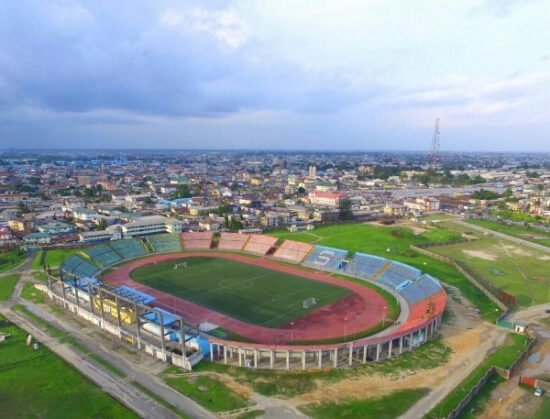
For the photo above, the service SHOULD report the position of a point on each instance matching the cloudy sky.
(341, 74)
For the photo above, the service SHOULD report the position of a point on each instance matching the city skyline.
(320, 76)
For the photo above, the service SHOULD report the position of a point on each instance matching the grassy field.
(38, 260)
(516, 269)
(525, 233)
(38, 384)
(32, 294)
(11, 259)
(377, 240)
(387, 407)
(7, 284)
(503, 357)
(55, 258)
(208, 392)
(245, 292)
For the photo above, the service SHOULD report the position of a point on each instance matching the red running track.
(356, 313)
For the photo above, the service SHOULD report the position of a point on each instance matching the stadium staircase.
(382, 271)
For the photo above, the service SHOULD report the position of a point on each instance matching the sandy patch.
(521, 252)
(463, 343)
(480, 254)
(545, 257)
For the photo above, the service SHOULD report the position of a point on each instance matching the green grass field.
(245, 292)
(525, 233)
(55, 258)
(387, 407)
(208, 392)
(7, 284)
(516, 269)
(11, 259)
(37, 384)
(376, 240)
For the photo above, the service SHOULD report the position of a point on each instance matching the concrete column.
(211, 352)
(162, 343)
(117, 313)
(426, 334)
(411, 341)
(76, 295)
(365, 348)
(390, 347)
(240, 352)
(377, 352)
(303, 360)
(350, 358)
(255, 358)
(400, 345)
(225, 354)
(320, 360)
(91, 294)
(138, 333)
(63, 292)
(182, 338)
(102, 311)
(287, 360)
(335, 359)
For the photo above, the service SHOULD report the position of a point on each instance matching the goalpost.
(180, 265)
(309, 302)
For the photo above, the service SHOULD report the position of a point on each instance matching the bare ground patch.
(480, 254)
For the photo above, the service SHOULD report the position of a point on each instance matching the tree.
(182, 192)
(345, 209)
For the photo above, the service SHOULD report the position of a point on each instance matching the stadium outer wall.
(309, 356)
(263, 356)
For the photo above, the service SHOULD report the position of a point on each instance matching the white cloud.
(226, 26)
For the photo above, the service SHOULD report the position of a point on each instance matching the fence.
(503, 372)
(473, 392)
(490, 291)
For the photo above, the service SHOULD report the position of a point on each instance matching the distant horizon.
(332, 151)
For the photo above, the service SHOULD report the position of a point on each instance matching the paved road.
(133, 372)
(117, 387)
(532, 313)
(517, 240)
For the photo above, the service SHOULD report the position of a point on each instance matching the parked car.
(539, 392)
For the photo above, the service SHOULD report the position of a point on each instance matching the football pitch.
(245, 292)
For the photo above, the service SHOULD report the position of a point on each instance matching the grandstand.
(326, 258)
(425, 309)
(197, 240)
(399, 275)
(103, 255)
(365, 266)
(292, 251)
(232, 241)
(77, 266)
(129, 248)
(260, 244)
(165, 243)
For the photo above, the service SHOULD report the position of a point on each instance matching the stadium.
(251, 300)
